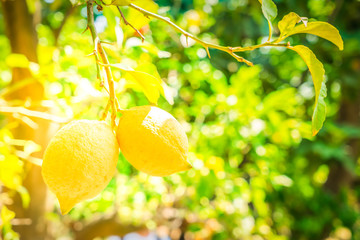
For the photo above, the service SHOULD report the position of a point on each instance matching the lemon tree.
(248, 138)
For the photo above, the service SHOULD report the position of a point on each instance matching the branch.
(99, 49)
(206, 45)
(127, 23)
(35, 114)
(26, 157)
(266, 44)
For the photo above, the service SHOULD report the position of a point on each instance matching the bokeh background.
(258, 173)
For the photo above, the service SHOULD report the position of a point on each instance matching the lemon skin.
(79, 161)
(153, 141)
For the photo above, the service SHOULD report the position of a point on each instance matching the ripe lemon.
(153, 141)
(79, 161)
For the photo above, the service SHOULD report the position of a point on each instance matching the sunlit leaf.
(17, 60)
(166, 91)
(6, 215)
(321, 29)
(136, 18)
(150, 84)
(25, 197)
(123, 2)
(317, 71)
(11, 167)
(288, 23)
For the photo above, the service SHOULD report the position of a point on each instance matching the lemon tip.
(65, 205)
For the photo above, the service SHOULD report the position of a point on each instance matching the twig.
(127, 23)
(206, 45)
(106, 110)
(266, 44)
(26, 157)
(99, 49)
(35, 114)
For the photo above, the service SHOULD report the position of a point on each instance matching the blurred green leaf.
(78, 2)
(269, 9)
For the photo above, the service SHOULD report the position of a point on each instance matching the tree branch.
(127, 23)
(206, 45)
(31, 113)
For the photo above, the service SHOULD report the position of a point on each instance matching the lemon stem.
(99, 49)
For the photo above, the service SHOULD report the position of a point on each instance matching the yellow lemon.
(153, 141)
(79, 161)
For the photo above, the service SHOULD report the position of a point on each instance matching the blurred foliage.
(258, 173)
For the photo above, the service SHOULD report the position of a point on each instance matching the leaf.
(25, 197)
(319, 114)
(151, 86)
(166, 91)
(6, 215)
(122, 2)
(77, 2)
(269, 10)
(317, 71)
(136, 18)
(17, 60)
(321, 29)
(288, 23)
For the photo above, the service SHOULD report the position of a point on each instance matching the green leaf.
(288, 23)
(321, 29)
(319, 114)
(150, 85)
(317, 71)
(269, 10)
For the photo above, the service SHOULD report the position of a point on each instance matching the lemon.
(79, 161)
(153, 141)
